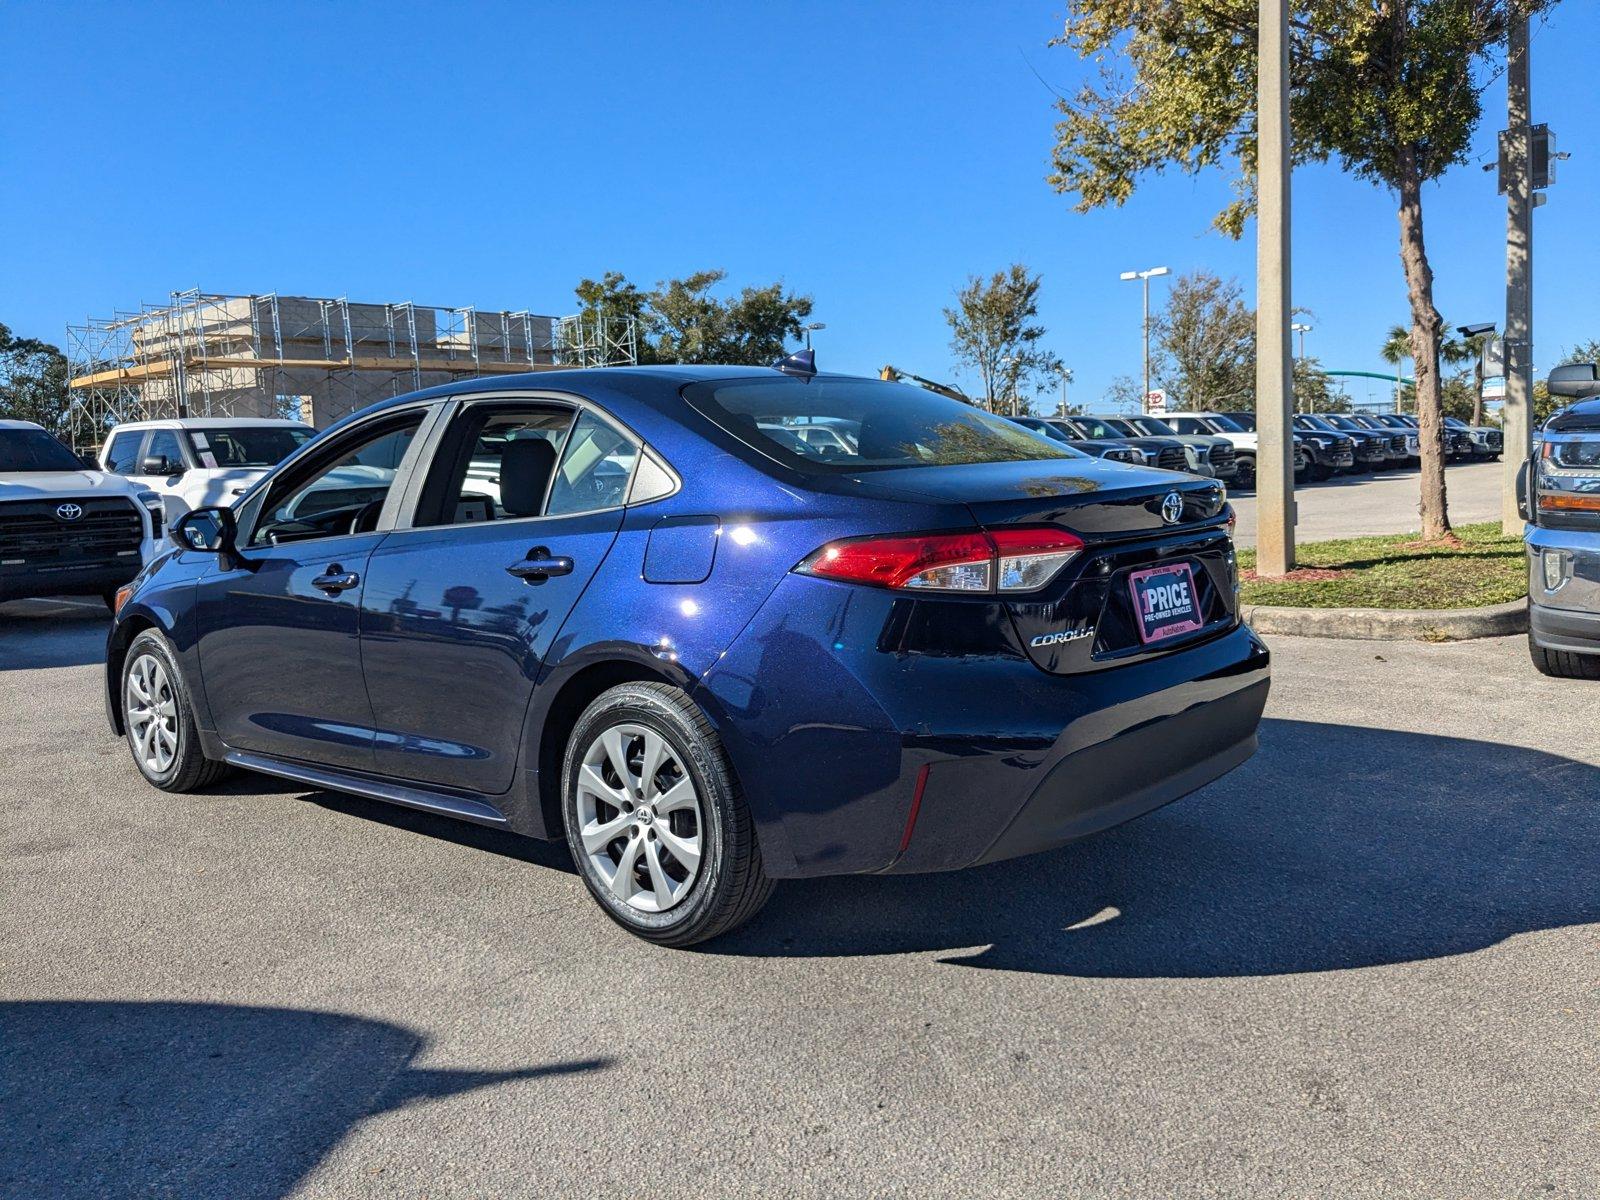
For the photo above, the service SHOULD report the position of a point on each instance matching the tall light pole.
(1302, 329)
(1274, 349)
(1146, 277)
(1066, 378)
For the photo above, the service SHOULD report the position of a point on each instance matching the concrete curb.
(1391, 624)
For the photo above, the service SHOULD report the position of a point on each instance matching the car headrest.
(888, 434)
(525, 468)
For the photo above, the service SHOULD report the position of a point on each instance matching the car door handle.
(540, 565)
(337, 579)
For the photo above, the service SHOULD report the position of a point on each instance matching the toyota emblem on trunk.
(69, 512)
(1172, 508)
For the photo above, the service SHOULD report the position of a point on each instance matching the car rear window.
(840, 426)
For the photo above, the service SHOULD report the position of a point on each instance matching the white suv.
(1245, 442)
(195, 462)
(67, 529)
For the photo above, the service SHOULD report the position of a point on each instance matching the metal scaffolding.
(315, 358)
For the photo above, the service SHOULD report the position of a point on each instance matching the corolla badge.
(69, 512)
(1172, 508)
(1066, 635)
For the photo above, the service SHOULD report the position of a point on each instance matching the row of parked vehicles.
(1223, 445)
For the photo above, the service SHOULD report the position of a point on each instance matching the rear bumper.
(830, 735)
(1124, 756)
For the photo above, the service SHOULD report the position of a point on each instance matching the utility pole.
(1274, 349)
(1517, 148)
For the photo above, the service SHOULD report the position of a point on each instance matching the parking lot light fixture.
(1145, 277)
(1302, 329)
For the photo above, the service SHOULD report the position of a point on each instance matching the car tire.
(1245, 478)
(672, 875)
(1321, 472)
(1563, 664)
(158, 719)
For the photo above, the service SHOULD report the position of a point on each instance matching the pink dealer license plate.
(1165, 602)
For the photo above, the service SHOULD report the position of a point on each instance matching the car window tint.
(164, 444)
(122, 452)
(247, 445)
(502, 464)
(594, 469)
(344, 492)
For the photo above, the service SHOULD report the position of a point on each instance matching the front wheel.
(158, 718)
(1563, 664)
(655, 820)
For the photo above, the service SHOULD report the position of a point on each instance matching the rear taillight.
(1006, 560)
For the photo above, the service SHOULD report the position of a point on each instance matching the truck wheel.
(1321, 472)
(159, 719)
(655, 819)
(1563, 664)
(1245, 480)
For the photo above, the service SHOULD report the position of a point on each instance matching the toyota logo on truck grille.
(69, 512)
(1172, 508)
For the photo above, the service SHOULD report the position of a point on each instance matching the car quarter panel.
(989, 726)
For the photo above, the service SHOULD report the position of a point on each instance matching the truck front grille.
(33, 533)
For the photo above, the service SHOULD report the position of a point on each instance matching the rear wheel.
(158, 718)
(1563, 664)
(655, 821)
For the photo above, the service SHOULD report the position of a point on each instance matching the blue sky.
(873, 155)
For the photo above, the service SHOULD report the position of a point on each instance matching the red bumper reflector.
(916, 807)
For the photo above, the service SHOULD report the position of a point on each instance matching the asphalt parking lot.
(1366, 964)
(1384, 502)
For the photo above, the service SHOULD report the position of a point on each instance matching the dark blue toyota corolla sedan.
(714, 626)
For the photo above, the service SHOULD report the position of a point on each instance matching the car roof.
(213, 423)
(585, 380)
(21, 425)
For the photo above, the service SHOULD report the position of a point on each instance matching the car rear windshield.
(34, 450)
(832, 425)
(1245, 421)
(246, 446)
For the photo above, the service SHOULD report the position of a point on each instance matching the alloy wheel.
(639, 818)
(152, 714)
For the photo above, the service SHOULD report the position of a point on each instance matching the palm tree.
(1396, 350)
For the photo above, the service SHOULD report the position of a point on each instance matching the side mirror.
(210, 530)
(159, 464)
(1524, 479)
(1574, 381)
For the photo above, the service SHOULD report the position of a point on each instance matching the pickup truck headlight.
(1569, 474)
(156, 508)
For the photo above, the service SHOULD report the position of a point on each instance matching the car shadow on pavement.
(52, 633)
(553, 855)
(110, 1099)
(1335, 847)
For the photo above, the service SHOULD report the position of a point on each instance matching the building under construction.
(202, 354)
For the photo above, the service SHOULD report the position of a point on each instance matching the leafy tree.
(994, 330)
(1315, 390)
(612, 300)
(682, 321)
(1391, 89)
(1206, 344)
(33, 382)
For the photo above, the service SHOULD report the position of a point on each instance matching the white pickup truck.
(195, 462)
(67, 529)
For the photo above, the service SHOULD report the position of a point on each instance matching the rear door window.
(595, 467)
